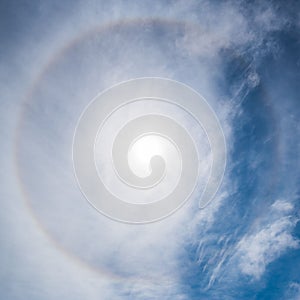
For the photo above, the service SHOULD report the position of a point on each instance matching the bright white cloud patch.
(259, 248)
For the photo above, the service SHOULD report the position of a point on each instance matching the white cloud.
(208, 38)
(272, 238)
(232, 26)
(282, 206)
(292, 291)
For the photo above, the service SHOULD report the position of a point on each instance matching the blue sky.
(243, 58)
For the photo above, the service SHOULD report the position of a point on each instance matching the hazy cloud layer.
(53, 244)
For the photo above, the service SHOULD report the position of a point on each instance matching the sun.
(143, 149)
